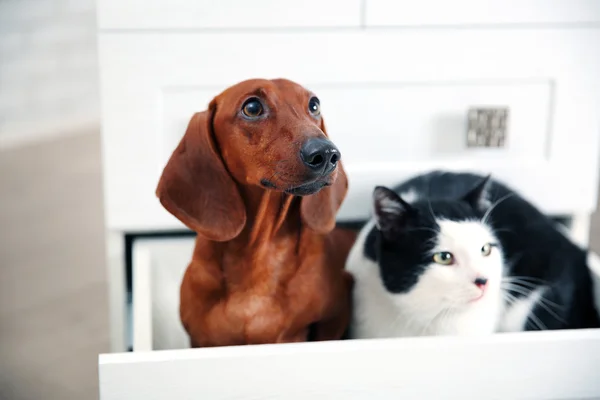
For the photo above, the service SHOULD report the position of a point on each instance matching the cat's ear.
(389, 209)
(477, 197)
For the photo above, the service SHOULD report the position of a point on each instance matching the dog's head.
(260, 133)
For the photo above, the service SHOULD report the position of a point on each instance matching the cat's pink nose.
(480, 282)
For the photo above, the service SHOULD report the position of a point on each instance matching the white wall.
(48, 69)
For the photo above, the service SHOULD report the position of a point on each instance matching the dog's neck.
(269, 213)
(271, 217)
(267, 246)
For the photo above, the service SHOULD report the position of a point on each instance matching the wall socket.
(487, 127)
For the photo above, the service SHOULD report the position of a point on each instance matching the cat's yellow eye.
(486, 250)
(444, 258)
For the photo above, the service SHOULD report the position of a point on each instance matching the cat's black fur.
(531, 242)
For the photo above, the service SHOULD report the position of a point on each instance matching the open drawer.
(531, 365)
(158, 265)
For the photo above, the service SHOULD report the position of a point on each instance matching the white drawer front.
(477, 12)
(389, 122)
(394, 101)
(535, 365)
(236, 14)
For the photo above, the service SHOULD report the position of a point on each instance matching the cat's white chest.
(517, 314)
(378, 315)
(481, 319)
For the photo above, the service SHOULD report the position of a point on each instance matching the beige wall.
(48, 68)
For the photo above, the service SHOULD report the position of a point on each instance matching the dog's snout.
(320, 155)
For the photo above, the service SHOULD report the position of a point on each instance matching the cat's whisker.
(544, 303)
(435, 318)
(520, 285)
(527, 286)
(444, 318)
(528, 278)
(491, 208)
(551, 303)
(534, 319)
(510, 299)
(423, 331)
(550, 311)
(508, 302)
(539, 324)
(512, 289)
(526, 291)
(507, 295)
(451, 313)
(517, 282)
(430, 208)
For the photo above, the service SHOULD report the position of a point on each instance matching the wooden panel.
(138, 69)
(477, 12)
(535, 365)
(226, 14)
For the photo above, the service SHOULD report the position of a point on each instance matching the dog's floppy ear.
(196, 187)
(319, 210)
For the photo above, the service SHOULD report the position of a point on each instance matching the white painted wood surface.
(540, 365)
(158, 268)
(115, 263)
(426, 13)
(170, 258)
(434, 129)
(145, 76)
(227, 14)
(142, 297)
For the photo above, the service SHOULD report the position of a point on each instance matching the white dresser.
(398, 81)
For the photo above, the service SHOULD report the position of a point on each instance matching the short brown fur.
(267, 266)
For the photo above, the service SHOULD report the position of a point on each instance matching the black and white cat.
(461, 254)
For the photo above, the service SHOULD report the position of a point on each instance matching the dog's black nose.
(320, 155)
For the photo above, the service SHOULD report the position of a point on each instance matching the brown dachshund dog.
(257, 178)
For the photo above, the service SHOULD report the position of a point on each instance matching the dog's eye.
(252, 108)
(443, 258)
(314, 106)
